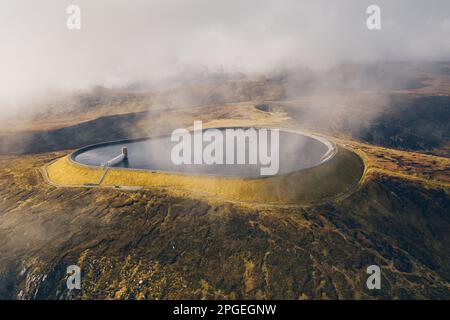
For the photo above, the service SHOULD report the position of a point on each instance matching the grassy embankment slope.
(340, 175)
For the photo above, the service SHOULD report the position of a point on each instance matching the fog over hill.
(126, 42)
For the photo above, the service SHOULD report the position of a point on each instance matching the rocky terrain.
(160, 243)
(154, 245)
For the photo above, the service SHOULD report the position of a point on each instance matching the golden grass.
(63, 172)
(339, 175)
(428, 169)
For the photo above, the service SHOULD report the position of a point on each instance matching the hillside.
(171, 240)
(156, 244)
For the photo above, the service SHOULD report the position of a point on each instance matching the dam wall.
(116, 160)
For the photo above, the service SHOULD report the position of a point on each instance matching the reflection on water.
(296, 152)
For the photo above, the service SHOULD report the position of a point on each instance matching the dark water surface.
(296, 152)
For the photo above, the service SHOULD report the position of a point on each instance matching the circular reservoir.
(297, 151)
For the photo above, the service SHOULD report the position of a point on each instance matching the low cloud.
(122, 42)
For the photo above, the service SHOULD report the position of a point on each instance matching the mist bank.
(123, 43)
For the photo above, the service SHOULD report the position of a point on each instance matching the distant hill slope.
(402, 121)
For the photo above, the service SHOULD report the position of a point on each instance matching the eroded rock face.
(152, 245)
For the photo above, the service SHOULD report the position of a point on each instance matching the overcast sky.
(130, 40)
